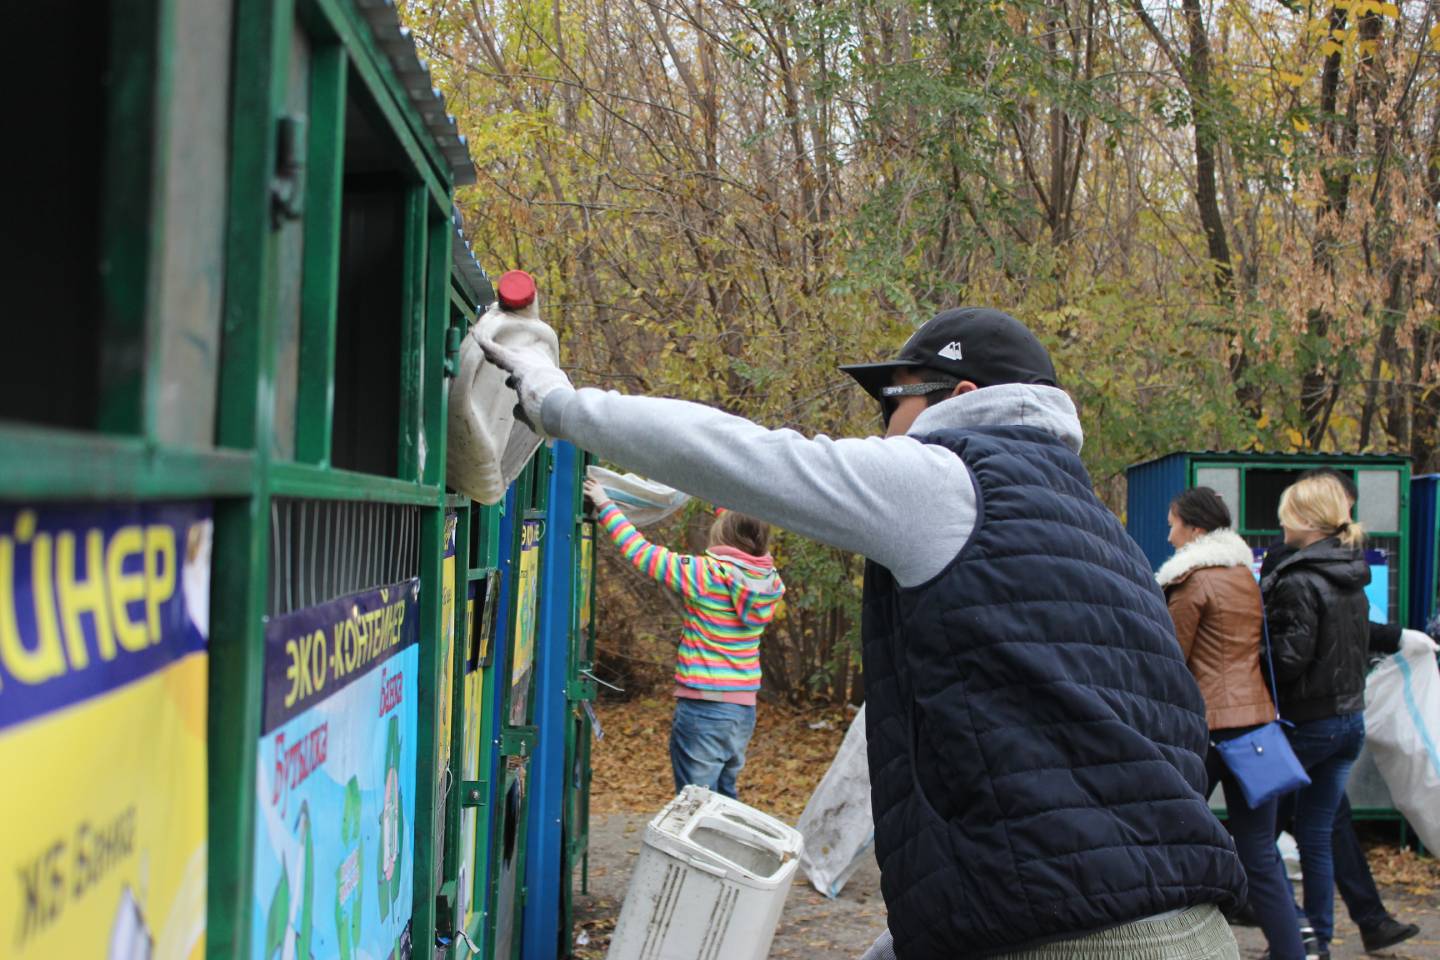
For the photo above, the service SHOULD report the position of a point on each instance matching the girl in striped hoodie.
(730, 594)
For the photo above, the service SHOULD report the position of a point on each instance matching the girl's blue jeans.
(1327, 749)
(707, 743)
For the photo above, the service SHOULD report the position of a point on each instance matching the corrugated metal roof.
(469, 269)
(1277, 455)
(414, 74)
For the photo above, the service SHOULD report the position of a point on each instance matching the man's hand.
(595, 490)
(532, 376)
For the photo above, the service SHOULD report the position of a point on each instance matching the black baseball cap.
(985, 346)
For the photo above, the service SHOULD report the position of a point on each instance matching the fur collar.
(1218, 548)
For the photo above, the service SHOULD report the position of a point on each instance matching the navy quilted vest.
(1036, 742)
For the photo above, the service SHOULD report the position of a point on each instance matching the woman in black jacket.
(1319, 631)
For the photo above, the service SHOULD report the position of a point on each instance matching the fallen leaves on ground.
(1405, 869)
(592, 935)
(786, 758)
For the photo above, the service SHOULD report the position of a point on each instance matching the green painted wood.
(499, 733)
(460, 583)
(377, 76)
(261, 62)
(37, 464)
(317, 483)
(129, 247)
(412, 355)
(483, 884)
(261, 59)
(436, 320)
(432, 546)
(325, 176)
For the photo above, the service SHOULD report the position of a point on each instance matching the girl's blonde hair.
(1319, 503)
(744, 533)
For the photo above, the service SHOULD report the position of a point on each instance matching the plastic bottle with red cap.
(486, 447)
(516, 290)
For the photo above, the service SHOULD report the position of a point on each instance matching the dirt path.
(814, 927)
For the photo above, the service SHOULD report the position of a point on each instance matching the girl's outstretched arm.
(677, 571)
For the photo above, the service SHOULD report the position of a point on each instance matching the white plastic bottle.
(487, 446)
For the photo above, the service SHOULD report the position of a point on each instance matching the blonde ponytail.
(1319, 504)
(1352, 534)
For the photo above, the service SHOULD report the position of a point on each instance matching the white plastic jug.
(487, 446)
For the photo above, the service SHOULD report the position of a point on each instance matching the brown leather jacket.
(1215, 603)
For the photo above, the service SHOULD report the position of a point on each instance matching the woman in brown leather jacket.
(1215, 603)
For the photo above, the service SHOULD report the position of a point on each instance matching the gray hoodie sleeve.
(907, 505)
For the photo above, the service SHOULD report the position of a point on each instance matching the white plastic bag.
(642, 501)
(1402, 732)
(837, 825)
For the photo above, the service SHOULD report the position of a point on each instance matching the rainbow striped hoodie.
(729, 598)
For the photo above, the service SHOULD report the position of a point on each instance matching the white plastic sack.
(642, 501)
(837, 825)
(1402, 732)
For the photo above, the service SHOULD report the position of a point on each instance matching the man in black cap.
(1036, 742)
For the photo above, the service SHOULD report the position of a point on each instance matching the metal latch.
(453, 337)
(287, 201)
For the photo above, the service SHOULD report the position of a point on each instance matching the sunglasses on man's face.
(888, 395)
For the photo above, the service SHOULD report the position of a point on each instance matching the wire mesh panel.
(324, 549)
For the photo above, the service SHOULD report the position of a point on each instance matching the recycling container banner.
(471, 721)
(586, 574)
(104, 622)
(523, 652)
(447, 660)
(447, 679)
(335, 791)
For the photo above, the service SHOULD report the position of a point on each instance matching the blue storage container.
(1424, 549)
(1251, 484)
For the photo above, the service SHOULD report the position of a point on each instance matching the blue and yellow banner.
(522, 652)
(104, 622)
(335, 786)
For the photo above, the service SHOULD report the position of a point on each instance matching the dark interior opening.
(512, 820)
(50, 364)
(370, 322)
(1262, 495)
(477, 538)
(481, 623)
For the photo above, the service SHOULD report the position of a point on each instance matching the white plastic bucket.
(487, 447)
(710, 883)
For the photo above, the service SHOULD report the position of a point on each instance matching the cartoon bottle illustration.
(392, 825)
(129, 937)
(349, 875)
(289, 923)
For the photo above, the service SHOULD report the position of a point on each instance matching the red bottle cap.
(516, 290)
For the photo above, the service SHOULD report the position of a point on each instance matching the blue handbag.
(1262, 761)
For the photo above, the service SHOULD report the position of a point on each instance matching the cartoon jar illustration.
(348, 876)
(392, 824)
